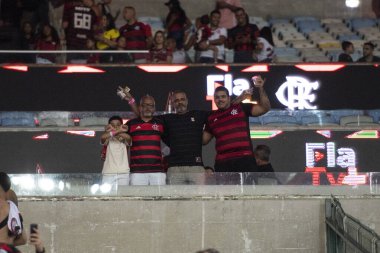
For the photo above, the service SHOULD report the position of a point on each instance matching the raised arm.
(263, 105)
(127, 96)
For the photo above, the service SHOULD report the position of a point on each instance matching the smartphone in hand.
(33, 228)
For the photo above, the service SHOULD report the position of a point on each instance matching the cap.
(5, 181)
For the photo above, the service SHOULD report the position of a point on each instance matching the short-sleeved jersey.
(231, 131)
(136, 37)
(81, 20)
(249, 30)
(183, 134)
(146, 154)
(6, 248)
(159, 55)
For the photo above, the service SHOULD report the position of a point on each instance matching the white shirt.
(116, 158)
(216, 34)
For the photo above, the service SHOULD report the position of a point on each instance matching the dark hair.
(208, 251)
(266, 33)
(369, 43)
(176, 8)
(346, 44)
(110, 20)
(54, 33)
(239, 9)
(5, 181)
(262, 152)
(222, 88)
(215, 12)
(205, 20)
(115, 117)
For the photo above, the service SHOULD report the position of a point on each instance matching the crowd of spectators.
(90, 25)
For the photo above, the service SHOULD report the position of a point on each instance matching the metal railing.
(345, 233)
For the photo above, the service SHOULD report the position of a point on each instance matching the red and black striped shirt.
(231, 131)
(136, 37)
(146, 154)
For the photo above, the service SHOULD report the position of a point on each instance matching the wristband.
(131, 101)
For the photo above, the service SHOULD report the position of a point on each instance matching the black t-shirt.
(343, 57)
(183, 134)
(374, 59)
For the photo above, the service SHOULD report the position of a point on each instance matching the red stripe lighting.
(320, 67)
(22, 68)
(85, 133)
(162, 68)
(80, 69)
(257, 68)
(225, 68)
(41, 137)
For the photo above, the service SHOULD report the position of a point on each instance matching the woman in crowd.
(106, 36)
(159, 53)
(176, 22)
(47, 40)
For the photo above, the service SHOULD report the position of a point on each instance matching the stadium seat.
(359, 120)
(301, 44)
(53, 118)
(337, 114)
(304, 52)
(94, 121)
(375, 114)
(279, 120)
(318, 120)
(324, 44)
(18, 119)
(329, 21)
(317, 58)
(255, 120)
(357, 23)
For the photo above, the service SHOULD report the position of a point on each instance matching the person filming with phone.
(35, 239)
(230, 127)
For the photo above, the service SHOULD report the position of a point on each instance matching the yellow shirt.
(110, 34)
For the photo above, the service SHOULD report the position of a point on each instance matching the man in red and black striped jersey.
(230, 127)
(183, 134)
(138, 35)
(78, 22)
(146, 158)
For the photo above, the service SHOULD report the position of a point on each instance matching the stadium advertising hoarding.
(337, 153)
(81, 88)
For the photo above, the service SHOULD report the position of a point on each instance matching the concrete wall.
(261, 8)
(234, 223)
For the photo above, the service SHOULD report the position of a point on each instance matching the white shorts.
(148, 178)
(116, 179)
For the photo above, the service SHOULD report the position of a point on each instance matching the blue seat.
(278, 21)
(304, 18)
(13, 119)
(255, 120)
(349, 37)
(375, 114)
(285, 51)
(337, 114)
(280, 120)
(357, 23)
(317, 120)
(299, 114)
